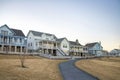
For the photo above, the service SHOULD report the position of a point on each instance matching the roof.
(18, 32)
(91, 44)
(60, 39)
(15, 31)
(74, 43)
(36, 33)
(117, 49)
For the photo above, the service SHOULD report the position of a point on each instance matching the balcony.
(75, 50)
(11, 43)
(47, 47)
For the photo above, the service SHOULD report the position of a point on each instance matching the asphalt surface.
(70, 72)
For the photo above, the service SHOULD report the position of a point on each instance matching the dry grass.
(103, 68)
(37, 68)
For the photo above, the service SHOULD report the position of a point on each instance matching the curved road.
(70, 72)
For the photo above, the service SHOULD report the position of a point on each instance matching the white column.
(42, 48)
(47, 47)
(9, 48)
(21, 49)
(2, 48)
(56, 45)
(15, 49)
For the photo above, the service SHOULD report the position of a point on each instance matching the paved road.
(70, 72)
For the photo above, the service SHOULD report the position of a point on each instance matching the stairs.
(60, 52)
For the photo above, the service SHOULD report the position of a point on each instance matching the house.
(76, 48)
(63, 46)
(93, 48)
(41, 42)
(115, 52)
(11, 40)
(45, 43)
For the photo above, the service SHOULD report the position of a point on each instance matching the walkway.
(70, 72)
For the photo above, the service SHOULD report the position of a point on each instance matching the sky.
(86, 20)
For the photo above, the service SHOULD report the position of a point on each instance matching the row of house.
(14, 41)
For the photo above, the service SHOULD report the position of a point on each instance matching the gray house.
(93, 48)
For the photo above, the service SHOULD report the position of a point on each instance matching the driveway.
(70, 72)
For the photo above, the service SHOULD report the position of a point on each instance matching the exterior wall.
(6, 29)
(31, 41)
(46, 37)
(43, 44)
(10, 43)
(65, 46)
(76, 50)
(95, 49)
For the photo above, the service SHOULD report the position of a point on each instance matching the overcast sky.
(86, 20)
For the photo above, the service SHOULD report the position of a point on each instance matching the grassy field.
(37, 68)
(103, 68)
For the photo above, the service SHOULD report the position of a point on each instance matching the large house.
(45, 43)
(41, 42)
(93, 48)
(76, 48)
(11, 40)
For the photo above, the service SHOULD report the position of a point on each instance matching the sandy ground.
(37, 68)
(103, 68)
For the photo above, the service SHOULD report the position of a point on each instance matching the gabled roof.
(36, 33)
(60, 39)
(15, 31)
(117, 50)
(18, 32)
(91, 44)
(74, 43)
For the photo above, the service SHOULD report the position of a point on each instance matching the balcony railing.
(47, 47)
(12, 43)
(75, 50)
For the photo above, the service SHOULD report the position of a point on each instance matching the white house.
(76, 48)
(11, 40)
(94, 48)
(46, 43)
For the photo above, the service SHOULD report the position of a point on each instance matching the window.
(4, 32)
(85, 49)
(20, 40)
(64, 45)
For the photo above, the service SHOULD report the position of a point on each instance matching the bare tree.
(22, 58)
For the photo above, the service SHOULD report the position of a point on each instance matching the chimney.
(77, 41)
